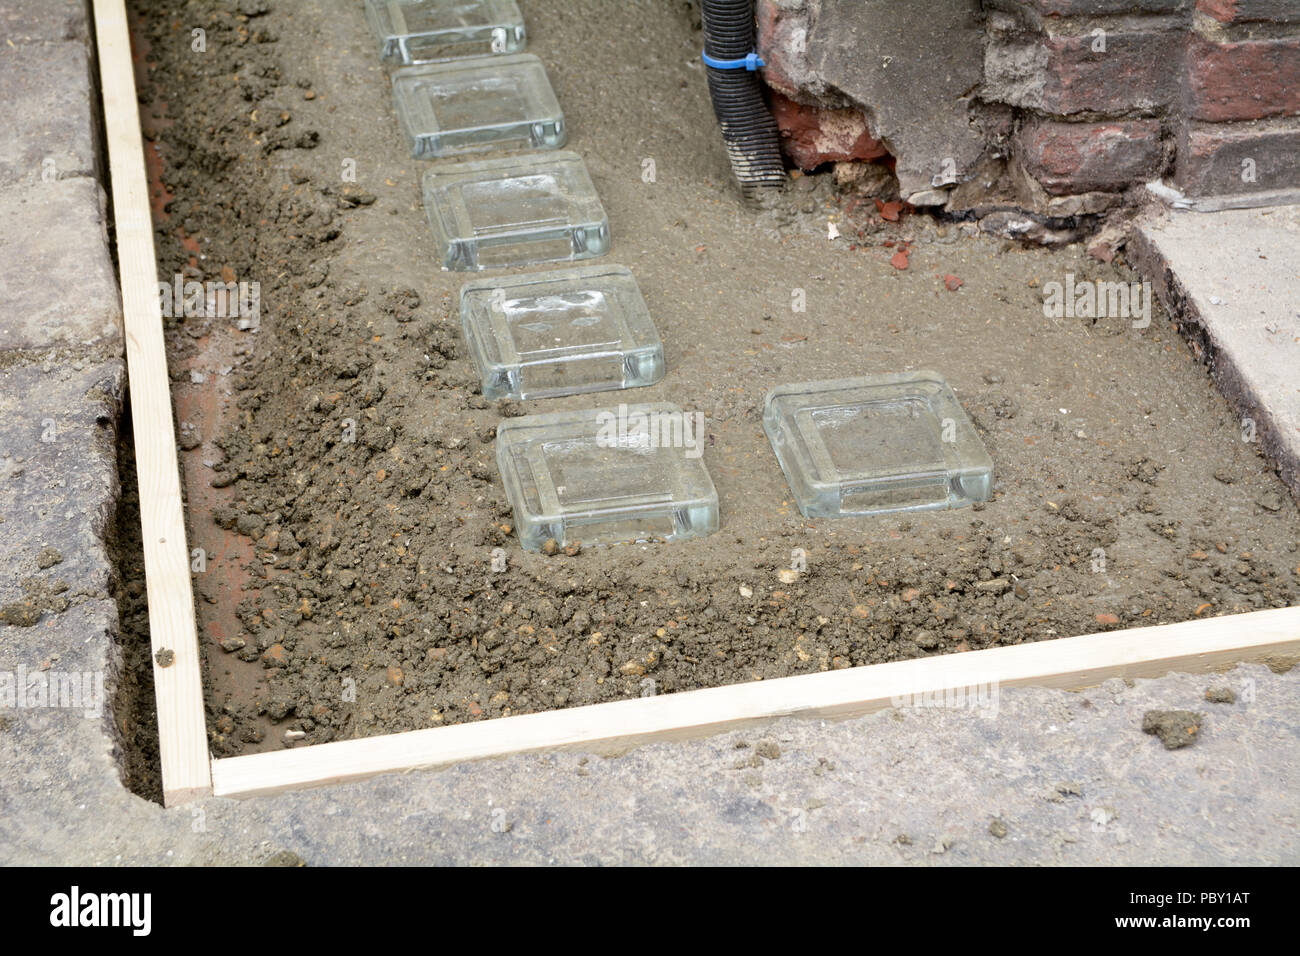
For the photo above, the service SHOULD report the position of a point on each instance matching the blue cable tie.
(751, 62)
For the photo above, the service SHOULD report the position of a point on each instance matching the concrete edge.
(1184, 309)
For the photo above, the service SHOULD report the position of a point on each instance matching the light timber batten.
(1071, 662)
(182, 731)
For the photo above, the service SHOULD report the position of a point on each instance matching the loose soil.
(135, 708)
(347, 588)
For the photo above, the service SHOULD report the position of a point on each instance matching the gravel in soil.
(347, 457)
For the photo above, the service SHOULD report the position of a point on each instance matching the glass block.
(423, 31)
(560, 333)
(517, 211)
(474, 105)
(603, 476)
(898, 442)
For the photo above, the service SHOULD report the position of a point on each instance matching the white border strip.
(182, 728)
(1070, 662)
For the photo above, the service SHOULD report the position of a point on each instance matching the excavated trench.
(338, 457)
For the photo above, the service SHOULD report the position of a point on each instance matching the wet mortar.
(338, 461)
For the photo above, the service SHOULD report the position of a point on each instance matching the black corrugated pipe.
(753, 141)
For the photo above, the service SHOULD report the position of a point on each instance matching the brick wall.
(1075, 98)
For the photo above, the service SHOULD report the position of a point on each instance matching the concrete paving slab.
(58, 484)
(82, 639)
(57, 682)
(44, 21)
(51, 113)
(56, 276)
(1232, 278)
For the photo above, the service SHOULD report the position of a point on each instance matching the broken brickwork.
(1055, 109)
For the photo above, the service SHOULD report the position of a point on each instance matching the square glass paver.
(603, 476)
(423, 31)
(466, 106)
(560, 333)
(898, 442)
(516, 211)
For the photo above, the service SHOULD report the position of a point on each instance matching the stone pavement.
(1051, 777)
(62, 381)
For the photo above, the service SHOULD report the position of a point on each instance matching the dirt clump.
(1220, 695)
(1175, 728)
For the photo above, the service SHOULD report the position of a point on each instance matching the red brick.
(1210, 158)
(786, 66)
(1083, 157)
(1132, 72)
(1250, 11)
(1253, 79)
(813, 136)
